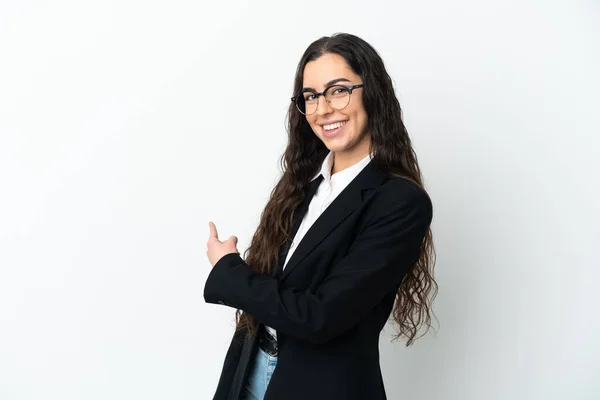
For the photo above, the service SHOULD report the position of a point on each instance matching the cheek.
(361, 121)
(359, 116)
(357, 111)
(312, 123)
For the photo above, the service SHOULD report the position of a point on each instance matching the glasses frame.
(319, 94)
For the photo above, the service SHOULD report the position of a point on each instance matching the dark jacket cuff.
(218, 279)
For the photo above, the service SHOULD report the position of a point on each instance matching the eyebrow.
(331, 82)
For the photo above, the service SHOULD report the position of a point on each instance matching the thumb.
(213, 230)
(234, 238)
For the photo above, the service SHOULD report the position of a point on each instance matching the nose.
(323, 106)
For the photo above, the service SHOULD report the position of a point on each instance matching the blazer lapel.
(299, 214)
(344, 204)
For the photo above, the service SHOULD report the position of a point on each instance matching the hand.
(216, 248)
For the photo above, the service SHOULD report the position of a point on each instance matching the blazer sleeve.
(386, 248)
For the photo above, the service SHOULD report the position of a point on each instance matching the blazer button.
(220, 302)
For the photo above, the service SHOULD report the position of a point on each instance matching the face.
(351, 139)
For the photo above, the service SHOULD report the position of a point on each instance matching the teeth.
(333, 126)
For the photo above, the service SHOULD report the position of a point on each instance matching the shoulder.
(397, 205)
(401, 197)
(402, 190)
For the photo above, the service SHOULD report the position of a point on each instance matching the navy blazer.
(334, 296)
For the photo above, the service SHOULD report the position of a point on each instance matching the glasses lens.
(307, 102)
(338, 97)
(300, 104)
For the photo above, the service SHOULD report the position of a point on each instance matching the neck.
(345, 159)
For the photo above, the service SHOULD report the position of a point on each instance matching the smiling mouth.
(335, 125)
(332, 129)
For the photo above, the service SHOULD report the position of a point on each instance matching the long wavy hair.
(302, 159)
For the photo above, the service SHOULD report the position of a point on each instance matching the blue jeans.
(259, 375)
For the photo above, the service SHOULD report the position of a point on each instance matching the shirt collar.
(328, 162)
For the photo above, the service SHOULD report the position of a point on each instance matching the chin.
(337, 147)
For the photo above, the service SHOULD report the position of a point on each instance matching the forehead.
(325, 68)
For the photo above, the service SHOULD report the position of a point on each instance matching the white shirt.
(331, 186)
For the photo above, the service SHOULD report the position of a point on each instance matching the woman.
(345, 232)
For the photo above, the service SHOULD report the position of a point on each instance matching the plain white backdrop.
(125, 126)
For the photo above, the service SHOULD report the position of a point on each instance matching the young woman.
(343, 241)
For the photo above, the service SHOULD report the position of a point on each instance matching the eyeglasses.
(337, 96)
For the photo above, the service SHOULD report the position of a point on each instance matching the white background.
(127, 125)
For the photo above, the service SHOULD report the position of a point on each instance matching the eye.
(337, 91)
(308, 96)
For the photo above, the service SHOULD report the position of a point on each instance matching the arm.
(376, 263)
